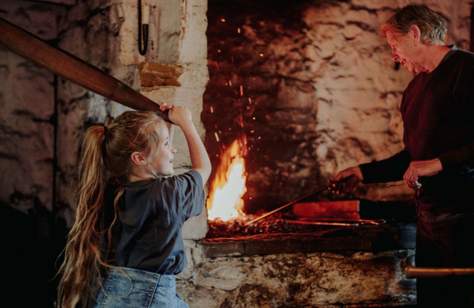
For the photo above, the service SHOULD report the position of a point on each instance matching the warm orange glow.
(225, 192)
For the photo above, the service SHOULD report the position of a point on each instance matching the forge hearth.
(381, 227)
(281, 225)
(301, 238)
(295, 217)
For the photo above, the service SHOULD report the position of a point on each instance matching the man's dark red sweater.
(438, 116)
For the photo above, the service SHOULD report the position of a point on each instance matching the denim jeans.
(128, 287)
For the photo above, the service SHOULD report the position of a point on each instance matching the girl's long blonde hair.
(105, 157)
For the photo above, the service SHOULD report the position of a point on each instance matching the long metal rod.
(426, 272)
(287, 205)
(72, 68)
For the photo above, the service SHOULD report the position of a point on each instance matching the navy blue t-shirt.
(148, 232)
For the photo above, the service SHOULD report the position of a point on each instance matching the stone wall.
(87, 24)
(27, 100)
(312, 86)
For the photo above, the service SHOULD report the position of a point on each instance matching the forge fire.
(225, 204)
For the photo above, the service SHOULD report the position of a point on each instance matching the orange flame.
(225, 193)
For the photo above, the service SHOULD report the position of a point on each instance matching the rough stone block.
(195, 228)
(300, 280)
(156, 74)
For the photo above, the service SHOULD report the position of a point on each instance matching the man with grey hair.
(438, 159)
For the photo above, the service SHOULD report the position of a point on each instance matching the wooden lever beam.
(72, 68)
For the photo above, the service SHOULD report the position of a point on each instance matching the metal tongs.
(333, 187)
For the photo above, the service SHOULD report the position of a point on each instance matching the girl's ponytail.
(82, 255)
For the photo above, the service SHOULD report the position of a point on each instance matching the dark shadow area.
(31, 244)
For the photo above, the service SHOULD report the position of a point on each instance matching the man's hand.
(345, 181)
(420, 168)
(351, 171)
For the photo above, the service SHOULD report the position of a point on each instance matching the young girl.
(126, 246)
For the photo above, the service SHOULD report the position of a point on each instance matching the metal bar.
(426, 272)
(334, 187)
(337, 222)
(323, 223)
(72, 68)
(287, 205)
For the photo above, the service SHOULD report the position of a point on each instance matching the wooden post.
(425, 272)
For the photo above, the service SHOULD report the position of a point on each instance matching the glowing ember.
(225, 193)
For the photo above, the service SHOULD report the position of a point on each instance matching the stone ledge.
(361, 279)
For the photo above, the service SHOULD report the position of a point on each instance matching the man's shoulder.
(416, 81)
(463, 56)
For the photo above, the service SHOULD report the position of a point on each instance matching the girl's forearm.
(199, 158)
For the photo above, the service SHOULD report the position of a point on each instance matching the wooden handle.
(72, 68)
(424, 272)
